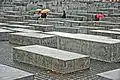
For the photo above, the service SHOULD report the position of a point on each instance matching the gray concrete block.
(9, 73)
(17, 22)
(86, 29)
(113, 34)
(22, 30)
(3, 24)
(56, 23)
(50, 58)
(109, 75)
(97, 47)
(4, 34)
(32, 38)
(19, 26)
(67, 29)
(13, 17)
(43, 27)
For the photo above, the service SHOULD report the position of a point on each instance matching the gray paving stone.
(9, 73)
(32, 38)
(59, 61)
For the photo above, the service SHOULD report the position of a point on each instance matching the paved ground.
(43, 74)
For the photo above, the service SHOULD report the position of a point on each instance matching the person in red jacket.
(99, 16)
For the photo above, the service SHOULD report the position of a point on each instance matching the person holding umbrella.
(44, 13)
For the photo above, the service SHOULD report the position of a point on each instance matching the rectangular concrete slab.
(110, 75)
(67, 29)
(9, 73)
(19, 26)
(3, 24)
(4, 34)
(50, 58)
(42, 27)
(108, 33)
(115, 29)
(86, 29)
(21, 30)
(17, 22)
(33, 38)
(97, 47)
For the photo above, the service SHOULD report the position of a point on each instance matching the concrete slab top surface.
(100, 39)
(16, 16)
(56, 22)
(112, 75)
(4, 30)
(74, 21)
(36, 35)
(115, 29)
(39, 25)
(11, 11)
(106, 31)
(89, 27)
(66, 27)
(108, 8)
(22, 30)
(51, 52)
(108, 25)
(9, 73)
(3, 24)
(17, 22)
(107, 22)
(23, 26)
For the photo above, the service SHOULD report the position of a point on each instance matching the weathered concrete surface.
(17, 22)
(32, 38)
(113, 34)
(10, 73)
(109, 75)
(43, 27)
(22, 30)
(19, 26)
(50, 58)
(4, 34)
(97, 47)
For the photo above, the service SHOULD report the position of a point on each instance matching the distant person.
(44, 13)
(64, 14)
(99, 16)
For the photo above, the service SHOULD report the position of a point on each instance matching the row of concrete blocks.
(79, 43)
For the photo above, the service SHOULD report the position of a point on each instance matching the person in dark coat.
(64, 14)
(43, 15)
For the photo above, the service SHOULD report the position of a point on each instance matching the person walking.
(64, 14)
